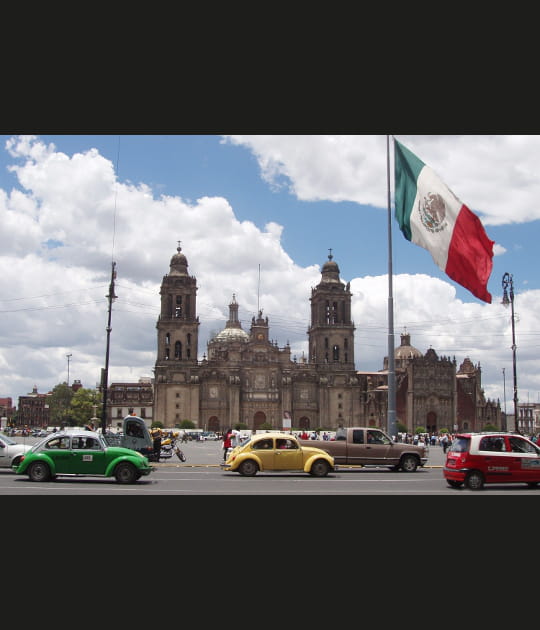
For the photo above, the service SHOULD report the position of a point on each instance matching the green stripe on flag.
(407, 168)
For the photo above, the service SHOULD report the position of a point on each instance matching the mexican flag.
(430, 215)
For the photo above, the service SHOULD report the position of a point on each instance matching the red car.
(475, 459)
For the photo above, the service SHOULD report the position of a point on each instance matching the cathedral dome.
(233, 330)
(232, 334)
(405, 350)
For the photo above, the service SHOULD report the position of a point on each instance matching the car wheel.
(409, 463)
(39, 471)
(319, 468)
(125, 473)
(454, 484)
(475, 480)
(248, 468)
(16, 461)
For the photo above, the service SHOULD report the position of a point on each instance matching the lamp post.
(68, 356)
(105, 374)
(508, 290)
(504, 393)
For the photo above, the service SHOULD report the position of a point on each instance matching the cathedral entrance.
(303, 423)
(213, 423)
(258, 419)
(431, 422)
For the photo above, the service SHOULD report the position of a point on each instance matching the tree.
(82, 406)
(59, 404)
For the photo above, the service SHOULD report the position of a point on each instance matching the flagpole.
(391, 417)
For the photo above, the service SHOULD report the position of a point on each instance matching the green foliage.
(187, 424)
(157, 424)
(266, 425)
(401, 428)
(81, 409)
(443, 430)
(59, 404)
(241, 425)
(420, 430)
(491, 427)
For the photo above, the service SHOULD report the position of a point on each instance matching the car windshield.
(460, 444)
(7, 440)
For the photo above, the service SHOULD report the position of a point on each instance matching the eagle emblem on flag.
(432, 210)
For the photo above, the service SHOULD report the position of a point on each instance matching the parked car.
(209, 435)
(475, 459)
(81, 452)
(11, 451)
(277, 451)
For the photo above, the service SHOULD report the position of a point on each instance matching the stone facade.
(246, 378)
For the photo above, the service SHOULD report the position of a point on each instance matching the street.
(201, 475)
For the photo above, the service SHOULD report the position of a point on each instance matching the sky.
(256, 216)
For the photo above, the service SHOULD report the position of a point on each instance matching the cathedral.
(244, 377)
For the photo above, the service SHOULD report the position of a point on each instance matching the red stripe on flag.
(470, 255)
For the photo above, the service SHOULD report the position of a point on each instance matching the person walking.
(156, 444)
(445, 442)
(226, 443)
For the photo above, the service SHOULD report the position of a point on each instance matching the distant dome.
(232, 334)
(233, 330)
(405, 350)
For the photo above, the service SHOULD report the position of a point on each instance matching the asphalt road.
(202, 475)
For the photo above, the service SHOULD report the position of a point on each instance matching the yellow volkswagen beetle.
(277, 451)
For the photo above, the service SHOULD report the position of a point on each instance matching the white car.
(11, 451)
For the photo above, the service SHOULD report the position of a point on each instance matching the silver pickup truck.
(368, 446)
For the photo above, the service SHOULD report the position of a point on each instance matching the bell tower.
(178, 324)
(176, 395)
(331, 334)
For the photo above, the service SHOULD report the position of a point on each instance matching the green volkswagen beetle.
(81, 452)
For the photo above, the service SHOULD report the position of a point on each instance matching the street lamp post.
(508, 290)
(68, 356)
(504, 394)
(105, 374)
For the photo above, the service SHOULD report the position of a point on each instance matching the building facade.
(33, 410)
(244, 377)
(126, 398)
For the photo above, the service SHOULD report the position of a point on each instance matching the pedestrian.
(157, 444)
(226, 443)
(444, 442)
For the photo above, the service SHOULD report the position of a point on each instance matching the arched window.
(335, 353)
(178, 309)
(168, 339)
(177, 350)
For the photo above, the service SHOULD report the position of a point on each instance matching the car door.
(59, 450)
(525, 460)
(493, 459)
(87, 456)
(287, 455)
(376, 447)
(5, 459)
(264, 449)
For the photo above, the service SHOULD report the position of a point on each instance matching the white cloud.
(73, 204)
